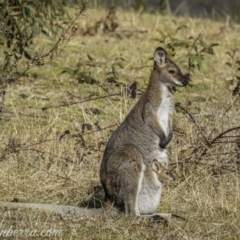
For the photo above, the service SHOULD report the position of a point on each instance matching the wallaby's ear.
(160, 55)
(155, 166)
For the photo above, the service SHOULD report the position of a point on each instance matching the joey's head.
(169, 72)
(161, 172)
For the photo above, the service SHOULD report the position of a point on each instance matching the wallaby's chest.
(165, 110)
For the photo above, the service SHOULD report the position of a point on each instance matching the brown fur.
(111, 21)
(108, 24)
(96, 28)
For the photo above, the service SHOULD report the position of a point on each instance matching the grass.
(45, 156)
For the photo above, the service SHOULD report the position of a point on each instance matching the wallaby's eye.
(171, 71)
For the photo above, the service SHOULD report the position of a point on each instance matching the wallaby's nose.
(185, 79)
(170, 175)
(185, 82)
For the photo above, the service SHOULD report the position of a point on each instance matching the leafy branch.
(195, 46)
(9, 73)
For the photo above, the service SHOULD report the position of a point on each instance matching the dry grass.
(39, 163)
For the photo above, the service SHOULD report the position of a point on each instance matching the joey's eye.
(171, 71)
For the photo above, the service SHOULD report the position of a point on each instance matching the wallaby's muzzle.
(185, 79)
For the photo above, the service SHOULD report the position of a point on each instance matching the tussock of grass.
(45, 156)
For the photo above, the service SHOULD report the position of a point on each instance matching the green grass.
(36, 166)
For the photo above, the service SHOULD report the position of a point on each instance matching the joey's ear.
(155, 166)
(160, 55)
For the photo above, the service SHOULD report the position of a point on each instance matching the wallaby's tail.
(59, 209)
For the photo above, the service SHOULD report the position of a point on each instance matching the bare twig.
(3, 93)
(101, 129)
(213, 141)
(54, 174)
(220, 153)
(221, 166)
(34, 61)
(184, 110)
(190, 51)
(231, 105)
(201, 150)
(223, 133)
(38, 143)
(221, 142)
(24, 114)
(80, 12)
(86, 100)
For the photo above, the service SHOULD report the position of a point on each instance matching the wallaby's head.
(112, 10)
(170, 73)
(161, 172)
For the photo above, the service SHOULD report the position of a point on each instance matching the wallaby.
(111, 21)
(108, 24)
(126, 167)
(96, 28)
(130, 177)
(162, 174)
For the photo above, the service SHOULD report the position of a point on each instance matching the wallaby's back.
(141, 127)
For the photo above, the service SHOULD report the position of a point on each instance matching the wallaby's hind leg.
(121, 177)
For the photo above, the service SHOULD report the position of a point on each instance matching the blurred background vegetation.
(216, 9)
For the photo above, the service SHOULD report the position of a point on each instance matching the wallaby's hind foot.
(122, 177)
(155, 218)
(160, 218)
(169, 217)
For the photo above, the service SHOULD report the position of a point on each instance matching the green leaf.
(181, 27)
(214, 45)
(157, 40)
(68, 70)
(28, 53)
(83, 78)
(236, 90)
(179, 43)
(230, 54)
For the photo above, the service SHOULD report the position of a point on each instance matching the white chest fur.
(165, 109)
